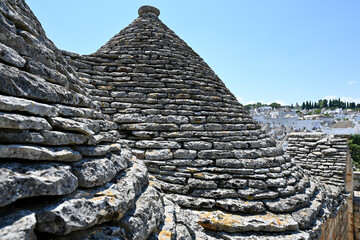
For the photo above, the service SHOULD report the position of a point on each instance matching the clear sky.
(264, 50)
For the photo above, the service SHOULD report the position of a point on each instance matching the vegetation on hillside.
(308, 105)
(354, 143)
(331, 104)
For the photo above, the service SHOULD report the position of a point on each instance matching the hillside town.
(279, 122)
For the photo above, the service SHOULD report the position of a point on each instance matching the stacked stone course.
(67, 122)
(327, 158)
(321, 156)
(199, 144)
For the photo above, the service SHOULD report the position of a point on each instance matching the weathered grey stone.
(171, 179)
(61, 138)
(146, 216)
(192, 202)
(150, 127)
(49, 74)
(96, 172)
(168, 187)
(258, 184)
(19, 225)
(177, 119)
(215, 154)
(110, 136)
(190, 162)
(182, 232)
(192, 127)
(185, 154)
(145, 134)
(157, 144)
(8, 103)
(21, 136)
(129, 118)
(268, 236)
(290, 203)
(306, 216)
(215, 193)
(329, 151)
(211, 176)
(21, 84)
(16, 121)
(110, 204)
(99, 150)
(23, 180)
(161, 154)
(232, 163)
(238, 205)
(70, 125)
(167, 229)
(39, 153)
(233, 183)
(197, 183)
(161, 91)
(10, 56)
(269, 222)
(198, 145)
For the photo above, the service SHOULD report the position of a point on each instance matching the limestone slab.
(8, 103)
(221, 221)
(10, 56)
(57, 138)
(39, 153)
(23, 180)
(19, 225)
(109, 204)
(17, 121)
(70, 125)
(148, 213)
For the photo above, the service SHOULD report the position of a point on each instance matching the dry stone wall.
(201, 147)
(327, 158)
(67, 122)
(321, 156)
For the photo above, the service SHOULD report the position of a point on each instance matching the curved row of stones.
(66, 170)
(61, 168)
(200, 146)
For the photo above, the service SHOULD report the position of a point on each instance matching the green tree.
(354, 144)
(325, 103)
(275, 105)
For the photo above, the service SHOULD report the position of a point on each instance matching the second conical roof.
(198, 142)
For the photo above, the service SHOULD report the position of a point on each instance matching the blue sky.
(280, 50)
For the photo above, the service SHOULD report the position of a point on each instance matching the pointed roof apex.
(149, 9)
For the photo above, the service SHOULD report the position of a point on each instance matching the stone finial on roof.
(148, 9)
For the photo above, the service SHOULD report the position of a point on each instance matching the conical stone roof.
(199, 144)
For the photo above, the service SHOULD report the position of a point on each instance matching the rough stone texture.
(148, 213)
(8, 103)
(21, 181)
(147, 89)
(321, 155)
(268, 222)
(47, 116)
(109, 204)
(10, 56)
(20, 225)
(38, 153)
